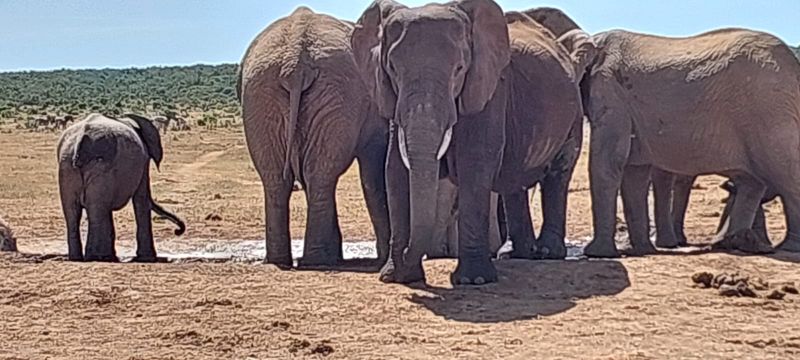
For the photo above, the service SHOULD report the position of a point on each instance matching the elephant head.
(578, 43)
(425, 67)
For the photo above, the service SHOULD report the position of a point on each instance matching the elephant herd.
(490, 104)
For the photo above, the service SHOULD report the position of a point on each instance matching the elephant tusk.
(448, 135)
(401, 139)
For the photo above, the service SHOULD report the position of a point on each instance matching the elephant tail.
(169, 216)
(295, 84)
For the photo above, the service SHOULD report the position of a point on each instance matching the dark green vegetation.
(180, 90)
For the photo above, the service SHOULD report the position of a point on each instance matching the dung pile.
(737, 285)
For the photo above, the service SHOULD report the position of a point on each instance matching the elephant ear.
(150, 137)
(582, 49)
(368, 54)
(553, 19)
(491, 53)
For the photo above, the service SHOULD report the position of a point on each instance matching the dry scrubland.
(638, 308)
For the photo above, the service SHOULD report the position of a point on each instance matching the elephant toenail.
(465, 281)
(480, 280)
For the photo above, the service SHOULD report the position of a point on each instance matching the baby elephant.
(103, 162)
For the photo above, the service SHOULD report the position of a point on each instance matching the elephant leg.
(791, 204)
(102, 236)
(737, 232)
(145, 248)
(519, 225)
(479, 149)
(396, 270)
(495, 237)
(760, 224)
(372, 166)
(474, 264)
(681, 191)
(279, 246)
(663, 185)
(444, 242)
(555, 193)
(635, 184)
(502, 220)
(551, 242)
(609, 149)
(72, 216)
(323, 239)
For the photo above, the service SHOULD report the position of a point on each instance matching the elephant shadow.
(527, 290)
(785, 256)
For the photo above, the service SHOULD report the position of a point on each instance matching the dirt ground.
(636, 308)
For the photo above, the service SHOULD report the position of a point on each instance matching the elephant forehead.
(433, 13)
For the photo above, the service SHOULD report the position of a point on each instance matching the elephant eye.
(459, 68)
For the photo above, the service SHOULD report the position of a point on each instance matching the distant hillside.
(182, 89)
(198, 88)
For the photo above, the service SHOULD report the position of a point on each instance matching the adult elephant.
(725, 102)
(103, 163)
(490, 112)
(671, 190)
(307, 116)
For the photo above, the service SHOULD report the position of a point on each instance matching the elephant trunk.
(423, 143)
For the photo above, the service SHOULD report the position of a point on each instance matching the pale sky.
(53, 34)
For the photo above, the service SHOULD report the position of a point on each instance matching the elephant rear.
(299, 89)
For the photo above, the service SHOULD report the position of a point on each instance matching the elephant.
(103, 163)
(7, 240)
(307, 116)
(487, 98)
(692, 106)
(162, 123)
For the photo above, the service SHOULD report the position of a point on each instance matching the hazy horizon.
(43, 35)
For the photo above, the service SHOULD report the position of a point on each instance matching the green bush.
(172, 90)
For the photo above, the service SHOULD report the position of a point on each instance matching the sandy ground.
(636, 308)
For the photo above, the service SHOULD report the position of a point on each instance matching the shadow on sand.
(526, 290)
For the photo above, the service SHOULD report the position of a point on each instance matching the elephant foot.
(145, 259)
(110, 258)
(641, 250)
(312, 261)
(478, 271)
(393, 273)
(682, 241)
(790, 245)
(601, 249)
(746, 241)
(75, 257)
(667, 242)
(281, 262)
(551, 247)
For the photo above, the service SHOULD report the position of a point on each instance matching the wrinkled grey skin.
(463, 102)
(755, 146)
(103, 163)
(307, 116)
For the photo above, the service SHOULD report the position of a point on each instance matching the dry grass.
(629, 309)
